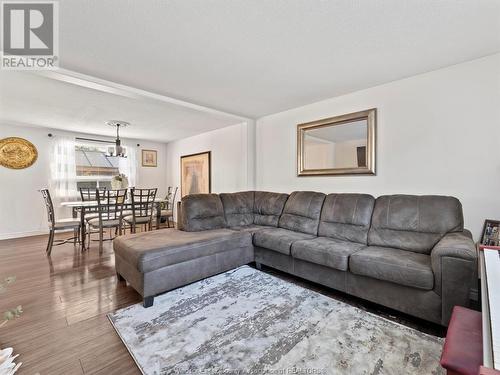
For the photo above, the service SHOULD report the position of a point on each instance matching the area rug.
(248, 322)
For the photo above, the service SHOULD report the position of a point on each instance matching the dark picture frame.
(196, 173)
(491, 233)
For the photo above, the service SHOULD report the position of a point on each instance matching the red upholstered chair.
(463, 348)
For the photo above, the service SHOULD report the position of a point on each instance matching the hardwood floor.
(65, 299)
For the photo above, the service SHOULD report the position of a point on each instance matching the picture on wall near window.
(149, 158)
(196, 173)
(491, 232)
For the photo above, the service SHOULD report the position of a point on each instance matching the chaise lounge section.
(409, 253)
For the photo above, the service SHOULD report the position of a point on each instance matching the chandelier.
(118, 150)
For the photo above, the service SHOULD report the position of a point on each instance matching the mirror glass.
(339, 146)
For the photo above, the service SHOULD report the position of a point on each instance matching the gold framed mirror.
(340, 145)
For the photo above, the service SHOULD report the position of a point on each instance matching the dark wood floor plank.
(64, 328)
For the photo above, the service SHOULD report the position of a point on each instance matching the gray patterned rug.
(248, 322)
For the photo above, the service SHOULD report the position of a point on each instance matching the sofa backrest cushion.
(302, 211)
(268, 207)
(238, 208)
(346, 217)
(202, 212)
(414, 223)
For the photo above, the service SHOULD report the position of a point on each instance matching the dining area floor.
(65, 298)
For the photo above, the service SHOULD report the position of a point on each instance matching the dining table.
(84, 207)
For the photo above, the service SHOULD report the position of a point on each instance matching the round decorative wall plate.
(17, 153)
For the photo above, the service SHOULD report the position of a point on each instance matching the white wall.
(232, 153)
(22, 211)
(438, 133)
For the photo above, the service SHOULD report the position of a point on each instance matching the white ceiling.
(243, 57)
(255, 57)
(34, 100)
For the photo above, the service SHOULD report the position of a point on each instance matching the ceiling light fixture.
(118, 149)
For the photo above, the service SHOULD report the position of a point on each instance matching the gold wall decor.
(17, 153)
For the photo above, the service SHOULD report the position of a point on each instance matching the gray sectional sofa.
(409, 253)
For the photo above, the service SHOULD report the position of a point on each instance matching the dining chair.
(110, 210)
(168, 212)
(143, 204)
(90, 194)
(59, 225)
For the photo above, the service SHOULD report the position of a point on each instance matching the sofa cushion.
(238, 208)
(250, 228)
(414, 223)
(202, 212)
(278, 239)
(346, 217)
(394, 265)
(149, 251)
(302, 211)
(326, 251)
(268, 207)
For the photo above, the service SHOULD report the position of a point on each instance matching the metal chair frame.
(143, 204)
(110, 208)
(53, 225)
(170, 198)
(90, 194)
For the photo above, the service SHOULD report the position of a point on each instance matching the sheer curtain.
(62, 183)
(128, 165)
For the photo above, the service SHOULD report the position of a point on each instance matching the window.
(94, 168)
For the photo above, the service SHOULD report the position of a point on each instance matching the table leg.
(158, 215)
(82, 227)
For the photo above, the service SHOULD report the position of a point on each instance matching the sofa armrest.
(454, 263)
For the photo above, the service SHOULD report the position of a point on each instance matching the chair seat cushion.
(166, 213)
(252, 228)
(394, 265)
(278, 239)
(138, 220)
(326, 251)
(91, 216)
(67, 223)
(149, 251)
(105, 222)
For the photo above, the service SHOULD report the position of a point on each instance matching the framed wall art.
(149, 158)
(196, 173)
(491, 233)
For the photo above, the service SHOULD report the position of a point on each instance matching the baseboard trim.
(9, 236)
